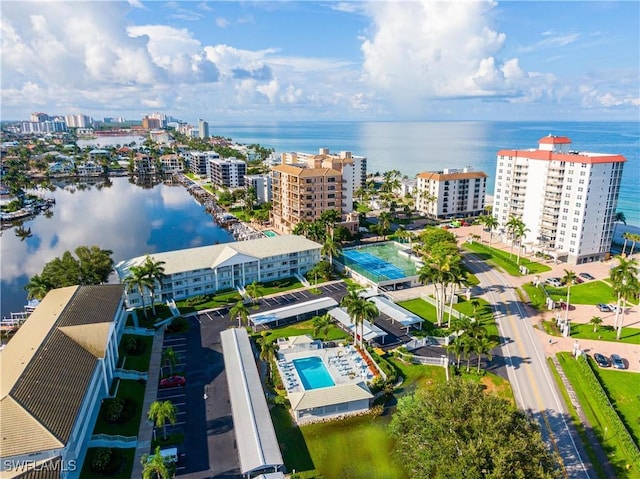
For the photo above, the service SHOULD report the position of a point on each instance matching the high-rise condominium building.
(451, 193)
(227, 172)
(566, 198)
(306, 185)
(198, 161)
(203, 129)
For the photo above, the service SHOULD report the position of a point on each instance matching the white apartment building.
(198, 161)
(207, 269)
(566, 198)
(203, 129)
(228, 172)
(451, 193)
(261, 184)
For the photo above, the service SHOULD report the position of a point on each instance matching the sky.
(244, 61)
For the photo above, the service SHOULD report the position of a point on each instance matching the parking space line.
(220, 314)
(174, 396)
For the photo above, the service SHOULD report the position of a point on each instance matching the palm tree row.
(471, 338)
(517, 230)
(624, 278)
(146, 278)
(631, 237)
(359, 310)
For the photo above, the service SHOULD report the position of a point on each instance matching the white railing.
(130, 374)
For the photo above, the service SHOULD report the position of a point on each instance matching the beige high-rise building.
(451, 193)
(306, 185)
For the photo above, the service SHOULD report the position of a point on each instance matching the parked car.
(613, 308)
(586, 276)
(617, 362)
(603, 308)
(602, 360)
(557, 282)
(173, 381)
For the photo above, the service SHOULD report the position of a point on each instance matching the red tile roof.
(554, 140)
(588, 158)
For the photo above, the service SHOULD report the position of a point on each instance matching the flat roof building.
(566, 198)
(451, 193)
(226, 172)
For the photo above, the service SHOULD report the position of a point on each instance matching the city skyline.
(270, 61)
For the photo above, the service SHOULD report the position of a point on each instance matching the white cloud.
(425, 50)
(222, 22)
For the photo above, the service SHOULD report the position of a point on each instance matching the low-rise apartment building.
(56, 371)
(207, 269)
(566, 198)
(451, 193)
(262, 186)
(198, 161)
(226, 172)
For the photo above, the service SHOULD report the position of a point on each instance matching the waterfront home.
(171, 163)
(143, 164)
(89, 168)
(207, 269)
(55, 372)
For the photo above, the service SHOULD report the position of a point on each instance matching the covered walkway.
(396, 313)
(298, 312)
(258, 448)
(371, 332)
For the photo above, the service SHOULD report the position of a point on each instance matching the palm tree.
(37, 287)
(626, 236)
(160, 412)
(483, 347)
(475, 304)
(569, 279)
(321, 325)
(240, 312)
(619, 217)
(253, 291)
(512, 226)
(23, 233)
(331, 248)
(468, 346)
(360, 310)
(268, 350)
(138, 279)
(519, 233)
(456, 347)
(155, 272)
(596, 321)
(171, 358)
(384, 221)
(302, 228)
(625, 284)
(154, 466)
(492, 223)
(634, 238)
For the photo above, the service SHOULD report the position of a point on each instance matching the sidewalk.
(145, 432)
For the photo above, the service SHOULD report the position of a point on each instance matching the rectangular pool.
(313, 373)
(270, 234)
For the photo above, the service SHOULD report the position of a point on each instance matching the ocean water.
(424, 146)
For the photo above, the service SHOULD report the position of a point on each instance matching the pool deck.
(344, 363)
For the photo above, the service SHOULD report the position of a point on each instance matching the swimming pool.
(313, 373)
(270, 234)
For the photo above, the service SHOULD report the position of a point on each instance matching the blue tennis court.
(375, 265)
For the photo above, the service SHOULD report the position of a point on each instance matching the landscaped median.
(616, 427)
(504, 260)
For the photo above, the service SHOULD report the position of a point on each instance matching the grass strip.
(504, 260)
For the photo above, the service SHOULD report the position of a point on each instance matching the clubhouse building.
(208, 269)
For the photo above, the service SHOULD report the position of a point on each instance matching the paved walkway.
(145, 432)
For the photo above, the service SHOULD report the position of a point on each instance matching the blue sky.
(276, 60)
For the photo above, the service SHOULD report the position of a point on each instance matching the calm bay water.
(124, 218)
(428, 146)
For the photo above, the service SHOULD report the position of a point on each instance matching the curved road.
(534, 387)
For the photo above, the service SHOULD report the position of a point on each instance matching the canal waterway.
(125, 218)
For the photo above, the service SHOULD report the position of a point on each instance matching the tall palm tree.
(569, 279)
(483, 347)
(37, 287)
(619, 217)
(171, 358)
(360, 310)
(468, 346)
(321, 325)
(512, 225)
(138, 279)
(154, 466)
(492, 223)
(268, 350)
(253, 291)
(155, 272)
(384, 221)
(456, 347)
(161, 412)
(634, 238)
(239, 312)
(625, 284)
(331, 248)
(520, 231)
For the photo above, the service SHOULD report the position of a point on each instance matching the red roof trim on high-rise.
(567, 157)
(554, 140)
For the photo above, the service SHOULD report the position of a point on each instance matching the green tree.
(161, 412)
(154, 270)
(37, 287)
(268, 351)
(253, 291)
(619, 217)
(321, 325)
(458, 431)
(331, 248)
(138, 281)
(170, 358)
(154, 466)
(596, 321)
(240, 312)
(491, 223)
(569, 279)
(322, 270)
(483, 348)
(513, 226)
(95, 264)
(624, 278)
(384, 222)
(359, 310)
(456, 347)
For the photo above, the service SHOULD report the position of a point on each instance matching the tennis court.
(379, 262)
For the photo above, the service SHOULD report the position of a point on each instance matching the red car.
(172, 382)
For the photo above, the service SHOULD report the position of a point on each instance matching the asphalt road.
(533, 385)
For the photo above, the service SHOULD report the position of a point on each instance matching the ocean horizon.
(414, 147)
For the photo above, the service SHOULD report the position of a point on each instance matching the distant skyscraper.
(203, 129)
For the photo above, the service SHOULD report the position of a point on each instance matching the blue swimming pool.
(313, 373)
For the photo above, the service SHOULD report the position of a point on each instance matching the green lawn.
(133, 392)
(304, 327)
(427, 312)
(623, 389)
(536, 296)
(356, 448)
(135, 360)
(417, 376)
(590, 292)
(503, 260)
(604, 333)
(598, 417)
(121, 462)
